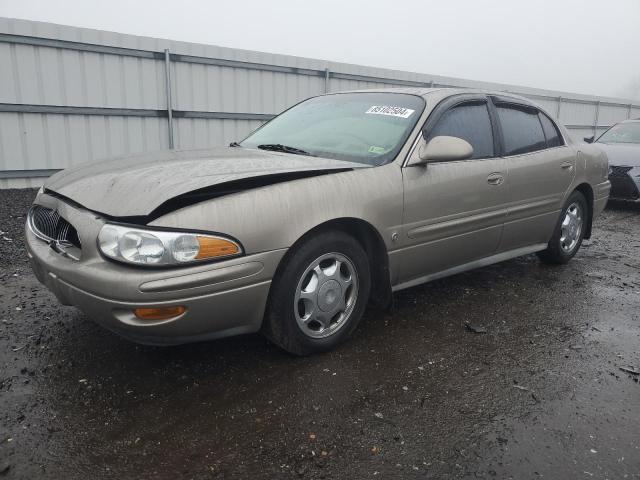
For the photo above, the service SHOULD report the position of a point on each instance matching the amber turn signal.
(211, 247)
(159, 313)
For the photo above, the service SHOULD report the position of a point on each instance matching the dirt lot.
(413, 395)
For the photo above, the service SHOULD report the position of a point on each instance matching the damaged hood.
(137, 185)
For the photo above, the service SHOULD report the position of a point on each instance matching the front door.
(454, 211)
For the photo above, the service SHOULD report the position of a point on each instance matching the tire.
(569, 232)
(319, 294)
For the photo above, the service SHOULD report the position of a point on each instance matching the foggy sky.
(587, 46)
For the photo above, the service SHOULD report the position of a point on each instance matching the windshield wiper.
(234, 144)
(278, 147)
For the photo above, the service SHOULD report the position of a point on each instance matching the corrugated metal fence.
(70, 95)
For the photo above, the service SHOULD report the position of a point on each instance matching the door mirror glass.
(444, 149)
(589, 139)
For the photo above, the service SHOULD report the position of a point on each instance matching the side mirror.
(590, 139)
(443, 149)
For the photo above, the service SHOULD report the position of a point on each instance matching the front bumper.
(221, 299)
(625, 182)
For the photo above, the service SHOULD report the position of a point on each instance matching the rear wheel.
(319, 295)
(569, 232)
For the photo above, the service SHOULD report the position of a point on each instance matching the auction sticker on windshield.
(391, 111)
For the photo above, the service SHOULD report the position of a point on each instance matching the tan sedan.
(335, 203)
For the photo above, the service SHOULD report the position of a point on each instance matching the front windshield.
(622, 133)
(361, 127)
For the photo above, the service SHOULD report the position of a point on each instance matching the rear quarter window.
(551, 132)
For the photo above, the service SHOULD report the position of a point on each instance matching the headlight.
(162, 248)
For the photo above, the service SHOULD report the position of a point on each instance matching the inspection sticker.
(377, 150)
(391, 111)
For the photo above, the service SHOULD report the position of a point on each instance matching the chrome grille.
(48, 225)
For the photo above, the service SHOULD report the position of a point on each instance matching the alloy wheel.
(571, 228)
(326, 295)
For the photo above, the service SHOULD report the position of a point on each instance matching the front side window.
(551, 132)
(363, 127)
(521, 129)
(622, 133)
(471, 122)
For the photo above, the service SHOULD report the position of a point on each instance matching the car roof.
(443, 92)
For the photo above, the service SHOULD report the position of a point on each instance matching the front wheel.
(569, 232)
(319, 294)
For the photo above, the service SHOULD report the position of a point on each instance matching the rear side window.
(469, 121)
(551, 133)
(521, 129)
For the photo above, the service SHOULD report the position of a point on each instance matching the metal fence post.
(559, 108)
(326, 80)
(167, 72)
(595, 123)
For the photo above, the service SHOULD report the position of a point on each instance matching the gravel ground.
(413, 395)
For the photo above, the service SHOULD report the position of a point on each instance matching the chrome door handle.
(495, 179)
(566, 165)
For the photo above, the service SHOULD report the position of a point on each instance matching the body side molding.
(483, 262)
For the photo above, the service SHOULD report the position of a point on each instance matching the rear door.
(454, 210)
(541, 168)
